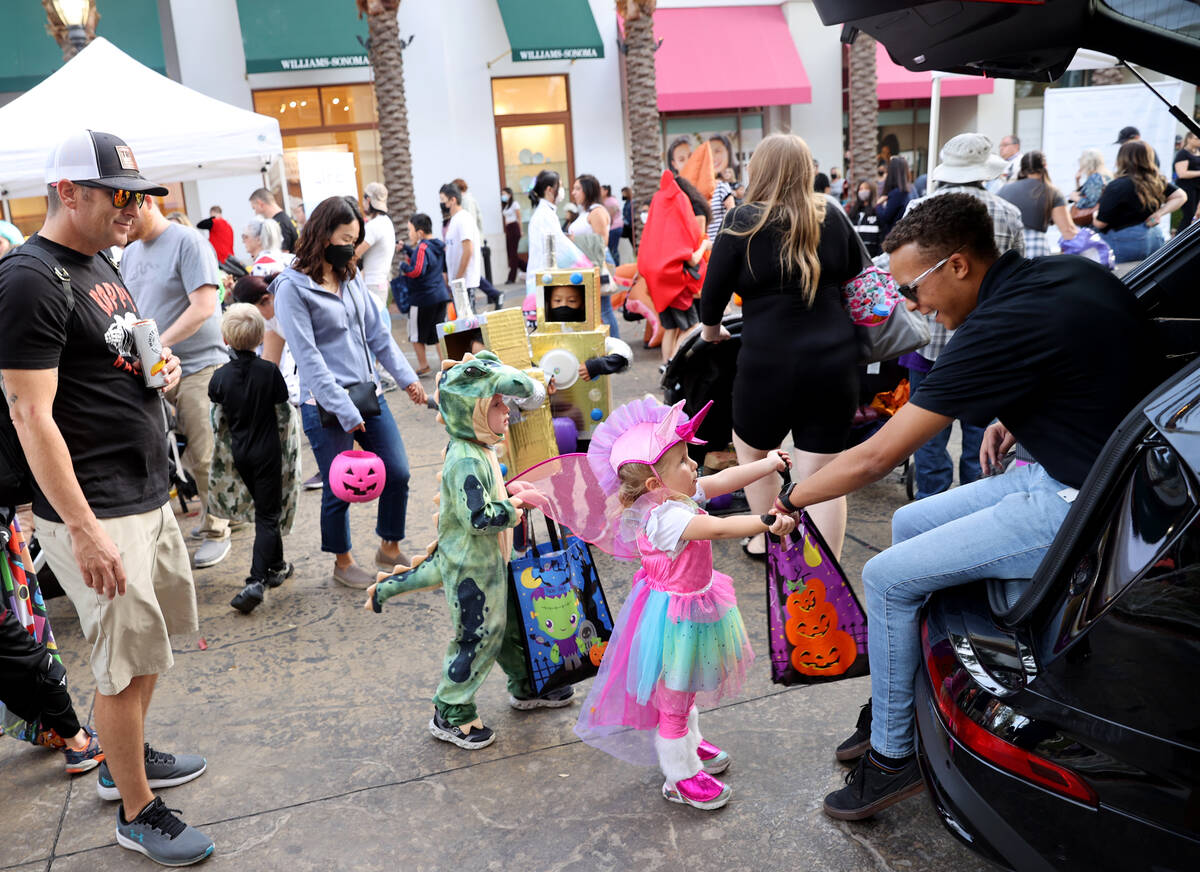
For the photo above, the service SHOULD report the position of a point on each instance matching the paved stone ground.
(312, 714)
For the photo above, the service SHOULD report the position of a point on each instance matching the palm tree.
(864, 111)
(386, 53)
(641, 103)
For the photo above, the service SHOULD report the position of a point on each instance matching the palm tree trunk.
(864, 111)
(387, 60)
(645, 134)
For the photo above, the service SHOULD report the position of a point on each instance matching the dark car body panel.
(1032, 40)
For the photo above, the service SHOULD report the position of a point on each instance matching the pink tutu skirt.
(664, 644)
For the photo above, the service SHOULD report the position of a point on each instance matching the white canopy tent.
(177, 134)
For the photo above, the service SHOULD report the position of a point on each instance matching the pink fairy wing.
(567, 489)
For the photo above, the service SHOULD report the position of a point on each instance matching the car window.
(1155, 502)
(1179, 16)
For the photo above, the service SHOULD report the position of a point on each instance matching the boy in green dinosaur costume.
(470, 558)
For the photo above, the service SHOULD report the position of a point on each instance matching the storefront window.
(528, 95)
(533, 130)
(340, 118)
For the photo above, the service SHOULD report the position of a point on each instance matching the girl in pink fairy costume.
(679, 638)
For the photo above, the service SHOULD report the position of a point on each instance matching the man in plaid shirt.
(967, 165)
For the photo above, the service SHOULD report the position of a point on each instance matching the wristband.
(784, 498)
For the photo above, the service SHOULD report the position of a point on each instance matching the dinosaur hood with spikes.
(465, 389)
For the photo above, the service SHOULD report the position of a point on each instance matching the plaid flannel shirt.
(1010, 234)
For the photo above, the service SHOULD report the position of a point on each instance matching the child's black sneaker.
(472, 740)
(249, 597)
(870, 788)
(858, 742)
(279, 575)
(556, 698)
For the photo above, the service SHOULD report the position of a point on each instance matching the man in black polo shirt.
(1056, 351)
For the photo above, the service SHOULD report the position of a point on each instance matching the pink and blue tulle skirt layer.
(665, 646)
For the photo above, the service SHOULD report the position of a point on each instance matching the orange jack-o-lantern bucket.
(357, 476)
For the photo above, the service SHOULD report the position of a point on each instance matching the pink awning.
(727, 57)
(894, 82)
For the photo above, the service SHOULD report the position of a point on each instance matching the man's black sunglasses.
(909, 289)
(120, 196)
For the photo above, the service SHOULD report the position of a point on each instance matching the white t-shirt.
(462, 227)
(380, 234)
(666, 523)
(512, 213)
(287, 364)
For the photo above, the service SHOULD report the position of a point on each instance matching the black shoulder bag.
(362, 394)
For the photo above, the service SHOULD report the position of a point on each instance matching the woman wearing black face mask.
(333, 327)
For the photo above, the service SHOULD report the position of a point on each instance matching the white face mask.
(643, 216)
(562, 196)
(504, 198)
(864, 195)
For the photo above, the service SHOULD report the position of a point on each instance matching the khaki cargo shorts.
(130, 634)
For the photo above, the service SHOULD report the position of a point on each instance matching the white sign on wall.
(325, 174)
(1079, 118)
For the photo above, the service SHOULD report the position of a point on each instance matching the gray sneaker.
(353, 576)
(163, 837)
(211, 552)
(162, 770)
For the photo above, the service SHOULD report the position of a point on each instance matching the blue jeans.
(614, 243)
(997, 527)
(609, 317)
(381, 437)
(935, 470)
(1136, 242)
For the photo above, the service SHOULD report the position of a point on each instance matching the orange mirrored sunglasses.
(120, 196)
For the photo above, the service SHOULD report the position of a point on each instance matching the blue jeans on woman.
(1136, 242)
(997, 527)
(383, 438)
(609, 317)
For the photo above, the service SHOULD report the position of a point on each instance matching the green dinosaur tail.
(426, 575)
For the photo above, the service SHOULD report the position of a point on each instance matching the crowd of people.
(304, 338)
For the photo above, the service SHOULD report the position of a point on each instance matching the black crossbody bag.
(362, 394)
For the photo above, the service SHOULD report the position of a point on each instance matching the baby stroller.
(182, 483)
(701, 371)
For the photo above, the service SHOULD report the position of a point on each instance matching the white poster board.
(325, 174)
(1079, 118)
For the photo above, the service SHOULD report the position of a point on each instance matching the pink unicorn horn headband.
(648, 441)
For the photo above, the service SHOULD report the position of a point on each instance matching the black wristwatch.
(785, 497)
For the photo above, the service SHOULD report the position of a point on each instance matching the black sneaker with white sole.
(556, 698)
(472, 740)
(858, 742)
(163, 837)
(162, 770)
(870, 788)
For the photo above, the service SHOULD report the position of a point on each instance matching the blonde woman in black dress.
(786, 251)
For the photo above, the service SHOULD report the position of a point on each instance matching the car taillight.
(949, 679)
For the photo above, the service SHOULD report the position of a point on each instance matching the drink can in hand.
(149, 352)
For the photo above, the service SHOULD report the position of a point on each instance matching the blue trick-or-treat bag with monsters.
(566, 621)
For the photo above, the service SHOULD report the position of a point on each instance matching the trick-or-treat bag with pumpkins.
(816, 626)
(566, 619)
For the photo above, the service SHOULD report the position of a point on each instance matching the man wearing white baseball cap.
(92, 433)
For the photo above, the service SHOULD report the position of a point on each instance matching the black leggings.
(265, 483)
(33, 685)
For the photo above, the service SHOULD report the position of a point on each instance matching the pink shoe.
(699, 791)
(713, 759)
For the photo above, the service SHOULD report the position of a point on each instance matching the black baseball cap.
(100, 158)
(1126, 134)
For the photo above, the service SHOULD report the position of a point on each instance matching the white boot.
(687, 782)
(677, 758)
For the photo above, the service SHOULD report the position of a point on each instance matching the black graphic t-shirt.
(112, 423)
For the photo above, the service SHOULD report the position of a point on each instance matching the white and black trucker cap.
(101, 158)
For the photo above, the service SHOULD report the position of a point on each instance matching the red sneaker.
(700, 791)
(713, 759)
